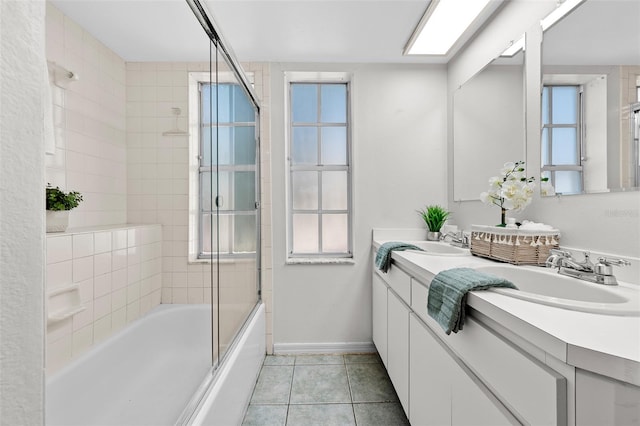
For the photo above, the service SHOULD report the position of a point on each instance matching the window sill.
(222, 261)
(320, 261)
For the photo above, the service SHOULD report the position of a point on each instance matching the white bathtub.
(143, 375)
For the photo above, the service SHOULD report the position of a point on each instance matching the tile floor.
(324, 390)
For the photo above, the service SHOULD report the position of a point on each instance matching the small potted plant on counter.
(58, 205)
(434, 216)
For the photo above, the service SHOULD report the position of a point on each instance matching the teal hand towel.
(448, 294)
(383, 256)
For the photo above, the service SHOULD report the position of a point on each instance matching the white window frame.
(195, 225)
(319, 78)
(579, 126)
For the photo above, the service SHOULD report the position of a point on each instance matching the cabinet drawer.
(419, 295)
(532, 390)
(399, 282)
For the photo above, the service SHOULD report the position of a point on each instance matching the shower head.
(176, 131)
(61, 74)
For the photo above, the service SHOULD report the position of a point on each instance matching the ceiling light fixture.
(442, 25)
(559, 12)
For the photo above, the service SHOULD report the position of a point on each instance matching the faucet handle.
(604, 266)
(617, 262)
(587, 260)
(559, 252)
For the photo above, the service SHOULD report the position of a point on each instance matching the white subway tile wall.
(90, 117)
(111, 149)
(114, 288)
(158, 184)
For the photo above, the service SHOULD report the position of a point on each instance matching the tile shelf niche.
(64, 303)
(98, 280)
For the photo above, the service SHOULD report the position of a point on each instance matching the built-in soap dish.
(64, 303)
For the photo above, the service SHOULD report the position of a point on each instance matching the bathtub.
(144, 375)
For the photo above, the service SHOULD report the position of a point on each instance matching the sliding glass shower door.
(230, 194)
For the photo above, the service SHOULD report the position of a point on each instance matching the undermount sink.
(437, 248)
(546, 287)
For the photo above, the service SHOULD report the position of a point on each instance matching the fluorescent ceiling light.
(559, 12)
(442, 25)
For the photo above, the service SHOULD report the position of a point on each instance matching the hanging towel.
(383, 256)
(448, 294)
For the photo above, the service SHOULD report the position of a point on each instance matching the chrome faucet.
(600, 273)
(457, 239)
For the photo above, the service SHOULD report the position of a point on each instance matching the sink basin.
(437, 248)
(546, 287)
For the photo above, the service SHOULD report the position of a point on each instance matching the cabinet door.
(472, 404)
(379, 316)
(398, 347)
(442, 392)
(603, 400)
(430, 386)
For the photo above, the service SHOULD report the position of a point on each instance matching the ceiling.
(257, 30)
(598, 32)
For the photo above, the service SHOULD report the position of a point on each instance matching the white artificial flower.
(495, 182)
(507, 168)
(546, 189)
(512, 190)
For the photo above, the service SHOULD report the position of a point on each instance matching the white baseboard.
(323, 348)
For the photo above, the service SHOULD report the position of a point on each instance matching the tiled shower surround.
(112, 151)
(91, 153)
(118, 272)
(158, 189)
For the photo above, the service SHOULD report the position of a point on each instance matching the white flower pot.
(433, 236)
(57, 221)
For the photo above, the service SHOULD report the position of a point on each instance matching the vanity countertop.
(604, 344)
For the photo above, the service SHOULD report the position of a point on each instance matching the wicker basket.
(515, 246)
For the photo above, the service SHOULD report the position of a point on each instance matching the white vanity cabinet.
(473, 377)
(602, 400)
(430, 365)
(379, 314)
(398, 348)
(391, 300)
(442, 391)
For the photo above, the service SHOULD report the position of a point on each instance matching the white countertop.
(605, 344)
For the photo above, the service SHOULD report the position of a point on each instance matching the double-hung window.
(319, 162)
(562, 137)
(227, 171)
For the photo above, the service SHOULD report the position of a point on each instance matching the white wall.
(598, 222)
(399, 165)
(90, 156)
(488, 125)
(22, 62)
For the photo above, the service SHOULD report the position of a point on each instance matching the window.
(227, 167)
(562, 137)
(319, 210)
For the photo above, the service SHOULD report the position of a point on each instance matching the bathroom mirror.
(590, 86)
(488, 125)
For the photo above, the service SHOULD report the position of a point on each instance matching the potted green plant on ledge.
(434, 216)
(58, 205)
